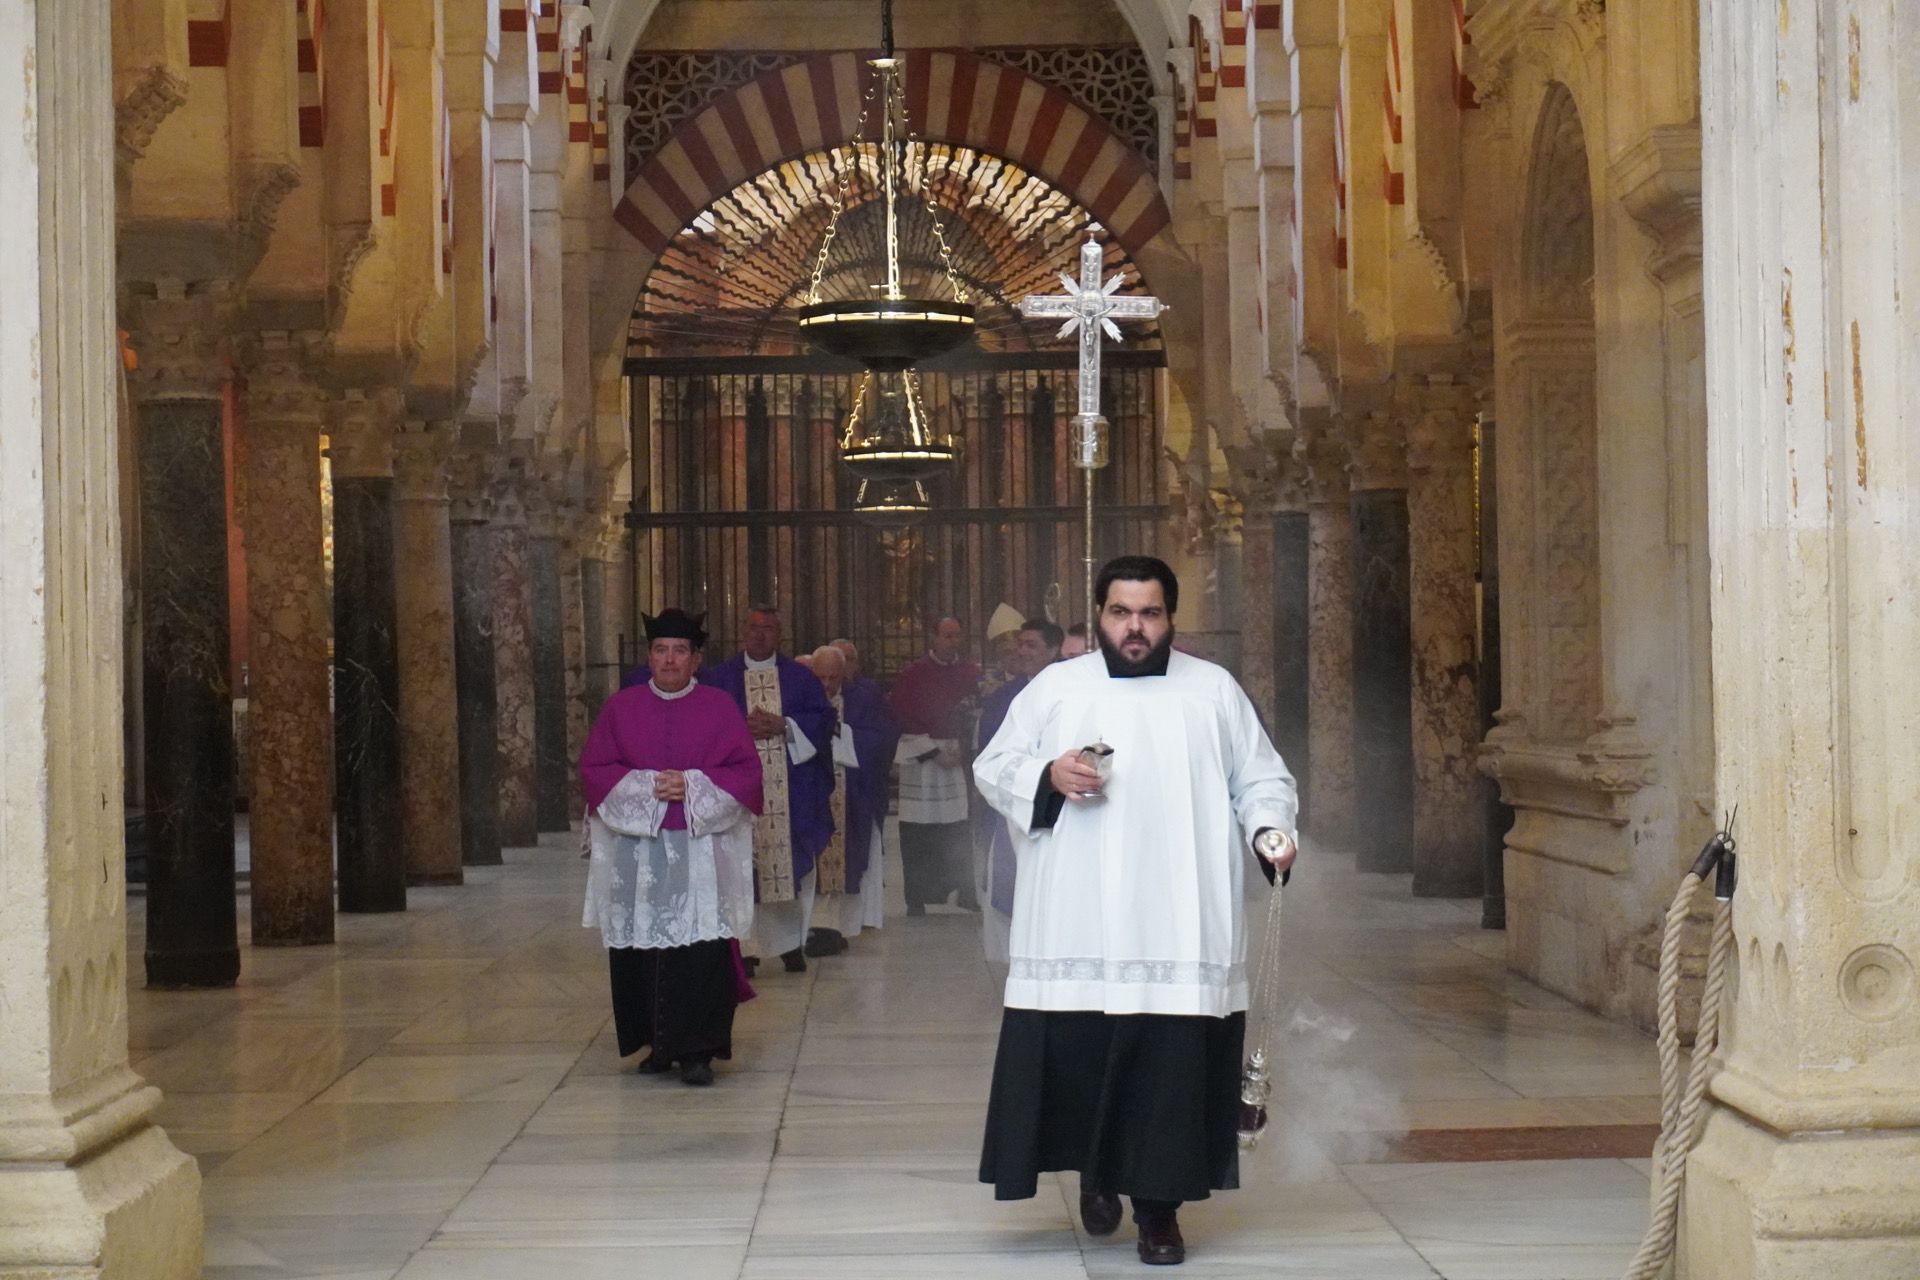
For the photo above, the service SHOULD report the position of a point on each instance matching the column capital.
(508, 489)
(1440, 410)
(179, 341)
(422, 462)
(1320, 458)
(280, 386)
(1377, 453)
(552, 507)
(475, 471)
(360, 428)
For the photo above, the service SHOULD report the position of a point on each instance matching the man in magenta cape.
(930, 698)
(672, 782)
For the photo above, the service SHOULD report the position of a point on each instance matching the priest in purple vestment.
(673, 783)
(862, 757)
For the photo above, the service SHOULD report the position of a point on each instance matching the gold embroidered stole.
(833, 859)
(773, 831)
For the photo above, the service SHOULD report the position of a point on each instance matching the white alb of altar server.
(1132, 902)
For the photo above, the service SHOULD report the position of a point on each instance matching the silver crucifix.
(1092, 308)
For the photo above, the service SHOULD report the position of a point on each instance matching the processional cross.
(1092, 308)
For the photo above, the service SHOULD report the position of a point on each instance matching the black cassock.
(679, 1000)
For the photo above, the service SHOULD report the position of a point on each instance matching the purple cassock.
(809, 785)
(876, 734)
(638, 729)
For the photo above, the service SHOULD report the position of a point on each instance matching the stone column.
(602, 676)
(192, 923)
(475, 681)
(1292, 714)
(366, 675)
(573, 647)
(1807, 1166)
(429, 722)
(1382, 644)
(1449, 797)
(513, 657)
(548, 648)
(290, 693)
(1329, 791)
(1257, 607)
(88, 1185)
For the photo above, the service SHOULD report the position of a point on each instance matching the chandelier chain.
(842, 192)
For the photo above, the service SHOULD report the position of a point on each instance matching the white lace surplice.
(654, 889)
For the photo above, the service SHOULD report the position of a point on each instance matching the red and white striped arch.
(952, 97)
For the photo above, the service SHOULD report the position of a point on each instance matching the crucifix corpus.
(1092, 308)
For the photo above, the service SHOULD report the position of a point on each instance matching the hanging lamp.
(889, 435)
(889, 332)
(891, 504)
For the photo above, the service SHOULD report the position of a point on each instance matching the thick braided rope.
(1656, 1247)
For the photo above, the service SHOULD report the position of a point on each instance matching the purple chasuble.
(875, 735)
(704, 730)
(809, 786)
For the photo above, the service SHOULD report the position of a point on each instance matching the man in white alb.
(1121, 1043)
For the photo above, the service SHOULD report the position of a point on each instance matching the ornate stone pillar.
(192, 923)
(429, 721)
(1274, 642)
(475, 682)
(573, 643)
(599, 551)
(1806, 1168)
(1449, 797)
(549, 652)
(89, 1187)
(1382, 643)
(366, 674)
(1257, 607)
(289, 703)
(513, 656)
(1329, 791)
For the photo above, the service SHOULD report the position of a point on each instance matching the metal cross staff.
(1092, 308)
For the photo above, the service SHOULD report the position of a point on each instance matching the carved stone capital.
(148, 97)
(475, 471)
(179, 340)
(1320, 460)
(422, 462)
(1658, 179)
(281, 389)
(512, 479)
(1440, 425)
(361, 427)
(1377, 450)
(261, 187)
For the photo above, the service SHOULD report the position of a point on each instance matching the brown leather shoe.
(1099, 1213)
(1160, 1242)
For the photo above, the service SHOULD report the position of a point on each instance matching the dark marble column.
(573, 646)
(289, 702)
(1329, 793)
(429, 722)
(1499, 817)
(1291, 725)
(475, 686)
(1382, 647)
(601, 677)
(192, 922)
(1449, 834)
(513, 657)
(366, 663)
(549, 685)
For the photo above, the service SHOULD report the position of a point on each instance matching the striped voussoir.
(952, 97)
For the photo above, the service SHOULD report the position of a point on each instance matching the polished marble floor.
(437, 1096)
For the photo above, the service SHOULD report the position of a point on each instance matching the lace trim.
(709, 808)
(631, 808)
(1184, 973)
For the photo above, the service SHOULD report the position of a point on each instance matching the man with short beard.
(1120, 1048)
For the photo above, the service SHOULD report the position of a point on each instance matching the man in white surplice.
(1120, 1048)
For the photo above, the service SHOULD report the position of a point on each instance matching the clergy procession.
(1120, 798)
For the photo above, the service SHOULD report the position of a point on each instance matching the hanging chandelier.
(889, 332)
(889, 435)
(892, 504)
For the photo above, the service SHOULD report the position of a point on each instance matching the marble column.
(573, 643)
(1292, 715)
(89, 1185)
(192, 921)
(475, 681)
(1329, 790)
(1449, 795)
(1382, 644)
(1256, 608)
(429, 719)
(366, 672)
(602, 678)
(513, 657)
(551, 764)
(1806, 1169)
(289, 705)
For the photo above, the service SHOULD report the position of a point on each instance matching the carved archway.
(952, 96)
(1554, 359)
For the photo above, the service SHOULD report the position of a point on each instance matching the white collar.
(663, 695)
(760, 664)
(940, 662)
